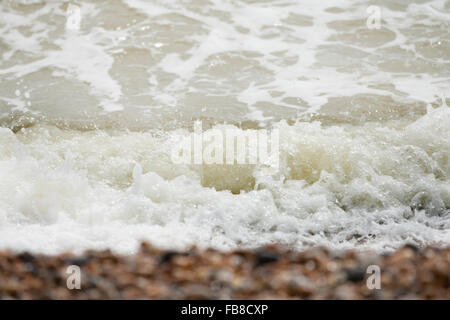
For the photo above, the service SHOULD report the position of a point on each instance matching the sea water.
(95, 95)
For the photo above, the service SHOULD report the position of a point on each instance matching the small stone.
(263, 257)
(355, 274)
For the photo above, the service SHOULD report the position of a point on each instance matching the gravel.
(266, 273)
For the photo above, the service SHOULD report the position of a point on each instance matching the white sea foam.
(370, 187)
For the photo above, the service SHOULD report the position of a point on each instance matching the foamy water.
(91, 107)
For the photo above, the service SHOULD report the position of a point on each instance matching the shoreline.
(267, 273)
